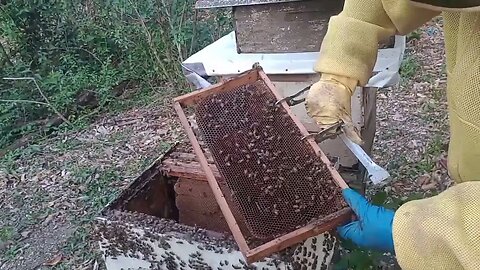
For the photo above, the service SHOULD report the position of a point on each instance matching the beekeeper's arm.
(349, 52)
(441, 232)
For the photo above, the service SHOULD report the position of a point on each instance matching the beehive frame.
(254, 254)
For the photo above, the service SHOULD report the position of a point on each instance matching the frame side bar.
(237, 234)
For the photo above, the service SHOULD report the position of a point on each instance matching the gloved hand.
(329, 101)
(373, 229)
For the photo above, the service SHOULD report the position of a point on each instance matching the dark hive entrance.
(154, 196)
(174, 188)
(157, 199)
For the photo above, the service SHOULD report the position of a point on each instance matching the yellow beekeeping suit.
(442, 232)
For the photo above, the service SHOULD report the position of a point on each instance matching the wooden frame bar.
(222, 202)
(193, 97)
(289, 239)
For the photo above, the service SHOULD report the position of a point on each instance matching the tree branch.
(82, 49)
(23, 101)
(151, 44)
(5, 54)
(47, 102)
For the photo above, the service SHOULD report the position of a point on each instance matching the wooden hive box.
(151, 225)
(278, 26)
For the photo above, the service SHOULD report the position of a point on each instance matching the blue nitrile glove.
(373, 228)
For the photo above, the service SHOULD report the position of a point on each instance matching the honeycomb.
(273, 177)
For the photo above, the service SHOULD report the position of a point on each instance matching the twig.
(47, 102)
(95, 111)
(170, 41)
(5, 54)
(193, 41)
(182, 17)
(150, 43)
(171, 25)
(23, 101)
(82, 49)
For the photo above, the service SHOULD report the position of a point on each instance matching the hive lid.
(234, 3)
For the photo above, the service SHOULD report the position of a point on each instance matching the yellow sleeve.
(441, 232)
(350, 46)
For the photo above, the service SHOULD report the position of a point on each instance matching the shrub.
(79, 50)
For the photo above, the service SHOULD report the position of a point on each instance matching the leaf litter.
(47, 193)
(412, 121)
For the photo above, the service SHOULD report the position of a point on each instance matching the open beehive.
(280, 186)
(164, 219)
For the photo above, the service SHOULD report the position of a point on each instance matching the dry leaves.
(405, 126)
(413, 116)
(48, 219)
(62, 170)
(429, 186)
(424, 179)
(54, 261)
(25, 233)
(109, 152)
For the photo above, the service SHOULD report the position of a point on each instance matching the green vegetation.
(6, 234)
(426, 164)
(414, 35)
(63, 62)
(409, 67)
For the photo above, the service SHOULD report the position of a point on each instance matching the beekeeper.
(442, 232)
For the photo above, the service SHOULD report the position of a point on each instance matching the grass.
(100, 188)
(414, 35)
(7, 162)
(80, 249)
(134, 168)
(439, 94)
(89, 187)
(428, 78)
(7, 233)
(64, 147)
(10, 249)
(409, 67)
(12, 252)
(359, 258)
(428, 108)
(119, 136)
(401, 167)
(433, 150)
(147, 96)
(97, 187)
(126, 53)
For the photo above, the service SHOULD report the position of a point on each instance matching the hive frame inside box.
(283, 241)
